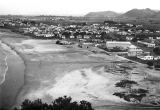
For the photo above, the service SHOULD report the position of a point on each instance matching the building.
(134, 51)
(129, 38)
(152, 44)
(156, 57)
(111, 44)
(148, 57)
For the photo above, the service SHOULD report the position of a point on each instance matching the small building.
(86, 45)
(87, 36)
(156, 57)
(157, 37)
(111, 44)
(134, 51)
(71, 37)
(152, 44)
(148, 57)
(79, 36)
(129, 38)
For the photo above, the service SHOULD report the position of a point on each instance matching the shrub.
(156, 50)
(150, 63)
(157, 67)
(125, 83)
(62, 103)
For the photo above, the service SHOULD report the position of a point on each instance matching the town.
(131, 41)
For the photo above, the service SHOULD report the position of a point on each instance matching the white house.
(157, 37)
(134, 51)
(71, 36)
(148, 57)
(156, 57)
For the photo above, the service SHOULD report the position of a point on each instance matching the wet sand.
(14, 78)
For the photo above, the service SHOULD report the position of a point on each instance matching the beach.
(51, 71)
(13, 78)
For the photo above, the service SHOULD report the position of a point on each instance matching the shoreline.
(5, 59)
(14, 79)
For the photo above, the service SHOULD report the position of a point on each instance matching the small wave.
(3, 65)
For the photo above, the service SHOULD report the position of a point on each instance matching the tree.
(62, 103)
(134, 39)
(33, 22)
(156, 50)
(150, 63)
(157, 67)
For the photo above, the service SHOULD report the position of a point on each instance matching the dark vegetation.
(62, 103)
(157, 67)
(125, 83)
(150, 63)
(156, 50)
(133, 95)
(130, 97)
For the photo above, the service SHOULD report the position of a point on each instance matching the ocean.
(11, 76)
(3, 64)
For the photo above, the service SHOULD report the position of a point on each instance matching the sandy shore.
(54, 70)
(14, 78)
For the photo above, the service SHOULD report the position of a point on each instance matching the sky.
(72, 7)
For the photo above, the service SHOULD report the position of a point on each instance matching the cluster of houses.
(132, 50)
(90, 32)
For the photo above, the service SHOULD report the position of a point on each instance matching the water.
(11, 76)
(3, 64)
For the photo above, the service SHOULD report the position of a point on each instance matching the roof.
(115, 42)
(135, 50)
(132, 46)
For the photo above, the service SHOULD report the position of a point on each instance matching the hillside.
(105, 14)
(138, 13)
(155, 15)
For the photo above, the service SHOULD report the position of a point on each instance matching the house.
(152, 44)
(71, 37)
(79, 36)
(63, 36)
(157, 37)
(98, 36)
(129, 38)
(134, 51)
(156, 57)
(111, 44)
(86, 45)
(148, 57)
(87, 36)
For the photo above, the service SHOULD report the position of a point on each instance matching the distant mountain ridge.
(138, 13)
(155, 15)
(104, 14)
(148, 13)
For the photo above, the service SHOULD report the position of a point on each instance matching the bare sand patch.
(42, 46)
(83, 84)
